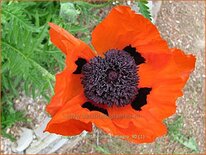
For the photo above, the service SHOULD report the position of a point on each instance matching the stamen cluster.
(111, 80)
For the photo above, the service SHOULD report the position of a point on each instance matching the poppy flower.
(126, 85)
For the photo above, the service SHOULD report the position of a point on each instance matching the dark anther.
(92, 107)
(136, 55)
(112, 75)
(111, 80)
(141, 98)
(80, 62)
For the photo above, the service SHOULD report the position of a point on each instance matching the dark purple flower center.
(112, 75)
(111, 80)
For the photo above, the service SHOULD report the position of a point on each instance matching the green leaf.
(19, 18)
(38, 67)
(144, 9)
(102, 150)
(176, 134)
(90, 5)
(191, 144)
(9, 136)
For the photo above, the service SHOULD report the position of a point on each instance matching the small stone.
(39, 131)
(43, 143)
(24, 141)
(58, 145)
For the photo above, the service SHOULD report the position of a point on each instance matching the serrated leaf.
(144, 9)
(191, 144)
(102, 150)
(176, 134)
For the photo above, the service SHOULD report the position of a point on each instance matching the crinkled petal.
(136, 123)
(139, 135)
(123, 27)
(69, 45)
(69, 127)
(168, 83)
(67, 86)
(72, 119)
(65, 123)
(73, 110)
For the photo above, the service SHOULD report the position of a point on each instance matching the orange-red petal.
(167, 83)
(69, 45)
(147, 75)
(142, 122)
(65, 123)
(142, 135)
(73, 110)
(69, 127)
(123, 27)
(67, 86)
(72, 119)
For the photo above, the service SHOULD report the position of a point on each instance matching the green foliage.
(144, 9)
(102, 150)
(22, 66)
(29, 59)
(9, 118)
(176, 135)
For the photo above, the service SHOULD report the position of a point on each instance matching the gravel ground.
(182, 25)
(34, 111)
